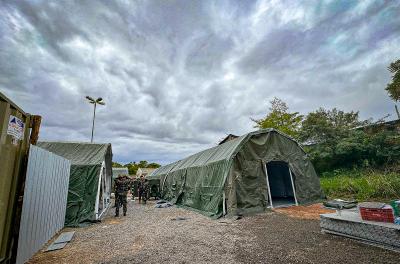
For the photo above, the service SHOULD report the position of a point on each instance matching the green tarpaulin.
(86, 161)
(236, 170)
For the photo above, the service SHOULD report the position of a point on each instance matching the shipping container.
(14, 144)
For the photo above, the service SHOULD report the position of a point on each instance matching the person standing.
(146, 191)
(140, 188)
(134, 190)
(122, 186)
(115, 191)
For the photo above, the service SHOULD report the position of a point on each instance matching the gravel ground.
(278, 238)
(150, 235)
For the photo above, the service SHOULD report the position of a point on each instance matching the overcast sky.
(178, 76)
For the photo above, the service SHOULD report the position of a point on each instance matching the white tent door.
(281, 185)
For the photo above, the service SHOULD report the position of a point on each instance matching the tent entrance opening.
(280, 184)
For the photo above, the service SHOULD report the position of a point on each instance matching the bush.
(357, 150)
(361, 184)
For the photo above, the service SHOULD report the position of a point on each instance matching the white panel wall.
(45, 201)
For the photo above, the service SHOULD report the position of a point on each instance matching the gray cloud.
(177, 76)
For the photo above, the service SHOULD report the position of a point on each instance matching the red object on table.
(384, 214)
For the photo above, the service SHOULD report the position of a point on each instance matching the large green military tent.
(248, 174)
(90, 179)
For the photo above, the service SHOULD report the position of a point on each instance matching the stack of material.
(61, 241)
(340, 204)
(350, 224)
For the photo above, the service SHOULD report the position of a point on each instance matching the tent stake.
(294, 191)
(269, 190)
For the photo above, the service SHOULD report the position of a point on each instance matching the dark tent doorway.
(280, 183)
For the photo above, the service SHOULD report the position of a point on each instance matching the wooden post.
(35, 125)
(397, 111)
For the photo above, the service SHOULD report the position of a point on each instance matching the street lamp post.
(95, 103)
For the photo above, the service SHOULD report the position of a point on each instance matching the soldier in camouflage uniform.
(146, 190)
(140, 188)
(115, 191)
(122, 186)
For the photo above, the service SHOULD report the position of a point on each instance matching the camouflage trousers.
(143, 195)
(116, 200)
(121, 200)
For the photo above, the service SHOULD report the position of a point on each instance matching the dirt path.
(150, 235)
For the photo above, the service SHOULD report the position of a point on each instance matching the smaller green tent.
(261, 169)
(90, 179)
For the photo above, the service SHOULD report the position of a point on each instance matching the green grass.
(361, 185)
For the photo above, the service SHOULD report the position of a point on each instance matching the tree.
(153, 165)
(281, 119)
(393, 88)
(133, 166)
(143, 164)
(116, 165)
(325, 126)
(334, 140)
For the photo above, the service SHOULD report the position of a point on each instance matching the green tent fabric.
(86, 161)
(236, 170)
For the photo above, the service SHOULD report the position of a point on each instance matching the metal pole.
(294, 191)
(269, 190)
(94, 117)
(223, 204)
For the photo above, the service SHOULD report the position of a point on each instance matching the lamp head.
(97, 101)
(90, 99)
